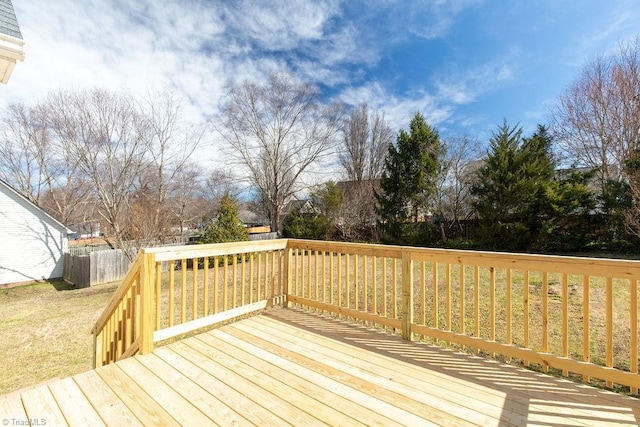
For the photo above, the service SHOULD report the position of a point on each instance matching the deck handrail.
(556, 312)
(143, 310)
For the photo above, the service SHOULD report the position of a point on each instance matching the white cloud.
(398, 110)
(464, 87)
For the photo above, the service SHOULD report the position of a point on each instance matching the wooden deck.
(287, 367)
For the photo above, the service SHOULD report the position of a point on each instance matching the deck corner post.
(287, 276)
(147, 297)
(407, 294)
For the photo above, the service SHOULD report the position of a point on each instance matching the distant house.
(32, 242)
(11, 42)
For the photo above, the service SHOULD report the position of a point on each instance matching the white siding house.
(32, 243)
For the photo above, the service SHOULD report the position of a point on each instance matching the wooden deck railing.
(576, 315)
(172, 291)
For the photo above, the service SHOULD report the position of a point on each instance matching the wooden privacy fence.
(95, 268)
(575, 315)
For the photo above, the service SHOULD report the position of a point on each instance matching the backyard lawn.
(46, 331)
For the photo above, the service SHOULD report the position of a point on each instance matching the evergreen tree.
(300, 225)
(408, 181)
(227, 226)
(520, 202)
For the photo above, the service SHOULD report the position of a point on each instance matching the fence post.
(407, 294)
(146, 303)
(287, 276)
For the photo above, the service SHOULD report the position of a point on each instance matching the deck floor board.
(289, 367)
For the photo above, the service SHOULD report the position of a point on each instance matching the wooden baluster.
(476, 302)
(525, 309)
(609, 326)
(205, 291)
(586, 322)
(545, 316)
(633, 326)
(183, 290)
(172, 277)
(374, 284)
(158, 295)
(194, 276)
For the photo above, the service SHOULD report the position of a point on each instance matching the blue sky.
(464, 64)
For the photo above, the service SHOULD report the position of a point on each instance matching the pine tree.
(519, 200)
(227, 226)
(408, 181)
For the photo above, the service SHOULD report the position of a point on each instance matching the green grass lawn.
(46, 331)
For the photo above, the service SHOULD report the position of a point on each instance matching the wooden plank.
(341, 358)
(134, 397)
(158, 294)
(205, 290)
(11, 407)
(378, 399)
(633, 328)
(408, 380)
(388, 251)
(423, 293)
(407, 295)
(598, 267)
(435, 320)
(203, 322)
(172, 277)
(317, 411)
(74, 405)
(168, 253)
(252, 402)
(609, 326)
(586, 322)
(551, 401)
(236, 402)
(463, 299)
(39, 404)
(194, 289)
(198, 396)
(166, 396)
(307, 394)
(565, 319)
(349, 312)
(183, 290)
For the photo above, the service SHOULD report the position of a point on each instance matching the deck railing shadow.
(523, 392)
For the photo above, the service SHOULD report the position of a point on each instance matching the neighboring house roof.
(11, 42)
(305, 206)
(8, 188)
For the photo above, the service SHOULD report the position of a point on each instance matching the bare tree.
(171, 143)
(36, 165)
(460, 165)
(366, 137)
(453, 197)
(277, 131)
(104, 132)
(598, 118)
(186, 196)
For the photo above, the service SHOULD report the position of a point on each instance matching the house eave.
(10, 52)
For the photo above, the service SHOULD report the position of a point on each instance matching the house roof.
(8, 21)
(9, 189)
(10, 41)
